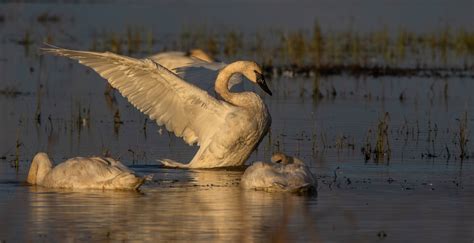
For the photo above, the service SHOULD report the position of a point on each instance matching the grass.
(48, 18)
(381, 150)
(316, 50)
(117, 121)
(11, 91)
(18, 145)
(463, 137)
(382, 145)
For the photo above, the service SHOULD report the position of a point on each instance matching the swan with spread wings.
(227, 130)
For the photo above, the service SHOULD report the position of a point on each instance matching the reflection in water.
(191, 211)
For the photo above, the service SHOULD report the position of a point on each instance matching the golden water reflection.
(209, 207)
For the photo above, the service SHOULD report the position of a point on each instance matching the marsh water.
(418, 185)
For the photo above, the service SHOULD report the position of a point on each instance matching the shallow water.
(420, 190)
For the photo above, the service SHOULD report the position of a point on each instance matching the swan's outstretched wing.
(182, 107)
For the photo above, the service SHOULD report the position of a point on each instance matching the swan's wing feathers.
(182, 107)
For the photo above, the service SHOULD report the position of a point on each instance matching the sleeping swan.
(285, 173)
(226, 130)
(197, 68)
(82, 173)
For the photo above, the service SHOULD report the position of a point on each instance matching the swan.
(174, 59)
(197, 68)
(82, 173)
(227, 130)
(284, 173)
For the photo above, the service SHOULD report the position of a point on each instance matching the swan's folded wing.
(182, 107)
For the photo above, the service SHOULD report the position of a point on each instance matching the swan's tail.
(173, 164)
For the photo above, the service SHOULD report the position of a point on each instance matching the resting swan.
(197, 68)
(285, 173)
(175, 59)
(227, 130)
(82, 173)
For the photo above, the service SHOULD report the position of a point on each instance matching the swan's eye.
(258, 75)
(261, 82)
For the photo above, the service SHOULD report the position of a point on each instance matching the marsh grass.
(134, 41)
(46, 17)
(381, 150)
(11, 91)
(379, 52)
(382, 145)
(463, 136)
(26, 42)
(18, 144)
(233, 43)
(117, 121)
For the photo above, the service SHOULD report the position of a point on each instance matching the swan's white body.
(82, 173)
(291, 175)
(226, 130)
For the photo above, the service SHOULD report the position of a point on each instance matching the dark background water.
(420, 189)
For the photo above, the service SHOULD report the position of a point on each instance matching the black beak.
(261, 82)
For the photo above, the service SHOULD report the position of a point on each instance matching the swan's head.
(40, 166)
(281, 158)
(255, 74)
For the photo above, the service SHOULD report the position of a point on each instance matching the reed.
(233, 43)
(382, 145)
(117, 121)
(463, 136)
(18, 144)
(317, 45)
(296, 48)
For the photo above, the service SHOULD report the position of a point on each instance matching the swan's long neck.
(40, 166)
(222, 82)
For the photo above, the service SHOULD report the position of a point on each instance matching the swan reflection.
(211, 206)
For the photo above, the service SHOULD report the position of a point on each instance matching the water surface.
(419, 189)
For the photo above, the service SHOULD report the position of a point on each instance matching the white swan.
(175, 59)
(227, 130)
(198, 68)
(285, 173)
(82, 173)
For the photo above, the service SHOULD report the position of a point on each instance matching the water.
(419, 190)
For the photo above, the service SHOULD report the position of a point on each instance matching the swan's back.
(175, 59)
(298, 175)
(278, 177)
(93, 173)
(261, 175)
